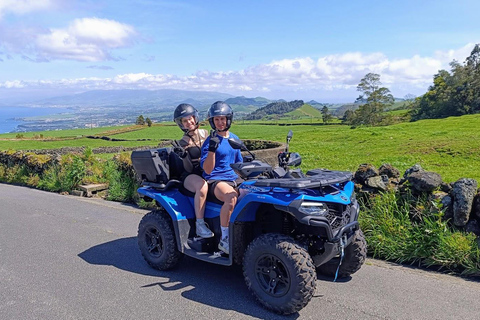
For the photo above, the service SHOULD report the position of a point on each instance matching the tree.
(374, 99)
(453, 93)
(140, 120)
(326, 116)
(149, 122)
(473, 79)
(348, 116)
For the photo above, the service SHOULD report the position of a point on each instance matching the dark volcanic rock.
(424, 181)
(389, 171)
(365, 171)
(463, 193)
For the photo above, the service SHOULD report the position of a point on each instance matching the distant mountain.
(316, 104)
(243, 106)
(243, 101)
(340, 111)
(163, 99)
(275, 108)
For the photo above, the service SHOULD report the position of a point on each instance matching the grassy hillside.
(447, 146)
(305, 111)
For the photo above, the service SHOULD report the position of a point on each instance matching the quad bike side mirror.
(289, 136)
(239, 145)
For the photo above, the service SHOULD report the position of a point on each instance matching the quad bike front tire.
(156, 240)
(279, 273)
(353, 259)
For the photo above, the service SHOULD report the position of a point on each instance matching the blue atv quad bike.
(286, 226)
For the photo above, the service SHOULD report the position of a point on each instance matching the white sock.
(200, 221)
(224, 232)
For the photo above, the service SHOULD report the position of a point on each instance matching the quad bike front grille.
(338, 215)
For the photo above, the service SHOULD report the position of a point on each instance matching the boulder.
(389, 171)
(473, 227)
(377, 182)
(463, 192)
(364, 172)
(414, 168)
(476, 205)
(424, 181)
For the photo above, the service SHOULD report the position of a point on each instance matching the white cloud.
(13, 84)
(333, 73)
(20, 7)
(87, 39)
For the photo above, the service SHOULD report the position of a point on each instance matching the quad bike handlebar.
(252, 168)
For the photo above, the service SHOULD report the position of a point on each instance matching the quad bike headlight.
(353, 197)
(313, 208)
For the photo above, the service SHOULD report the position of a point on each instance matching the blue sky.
(276, 49)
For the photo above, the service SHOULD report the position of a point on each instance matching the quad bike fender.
(177, 205)
(252, 196)
(180, 209)
(246, 208)
(344, 196)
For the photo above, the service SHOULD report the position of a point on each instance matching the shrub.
(121, 179)
(72, 172)
(51, 180)
(32, 180)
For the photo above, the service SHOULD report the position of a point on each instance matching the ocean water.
(9, 116)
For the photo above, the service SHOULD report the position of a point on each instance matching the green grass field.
(447, 146)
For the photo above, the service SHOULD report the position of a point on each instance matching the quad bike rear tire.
(156, 239)
(354, 257)
(279, 273)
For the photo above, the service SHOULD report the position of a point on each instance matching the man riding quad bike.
(286, 225)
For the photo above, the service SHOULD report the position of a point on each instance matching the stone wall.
(460, 199)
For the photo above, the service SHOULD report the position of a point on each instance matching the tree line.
(453, 93)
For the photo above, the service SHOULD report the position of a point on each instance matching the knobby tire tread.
(297, 258)
(170, 256)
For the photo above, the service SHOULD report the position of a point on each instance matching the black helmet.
(220, 108)
(182, 111)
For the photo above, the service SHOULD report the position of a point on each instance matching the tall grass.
(122, 184)
(411, 230)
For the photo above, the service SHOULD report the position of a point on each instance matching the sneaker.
(223, 245)
(203, 230)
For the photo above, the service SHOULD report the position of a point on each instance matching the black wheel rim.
(154, 242)
(272, 275)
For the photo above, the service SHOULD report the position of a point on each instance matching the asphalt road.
(65, 257)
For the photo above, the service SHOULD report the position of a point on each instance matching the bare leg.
(197, 184)
(224, 192)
